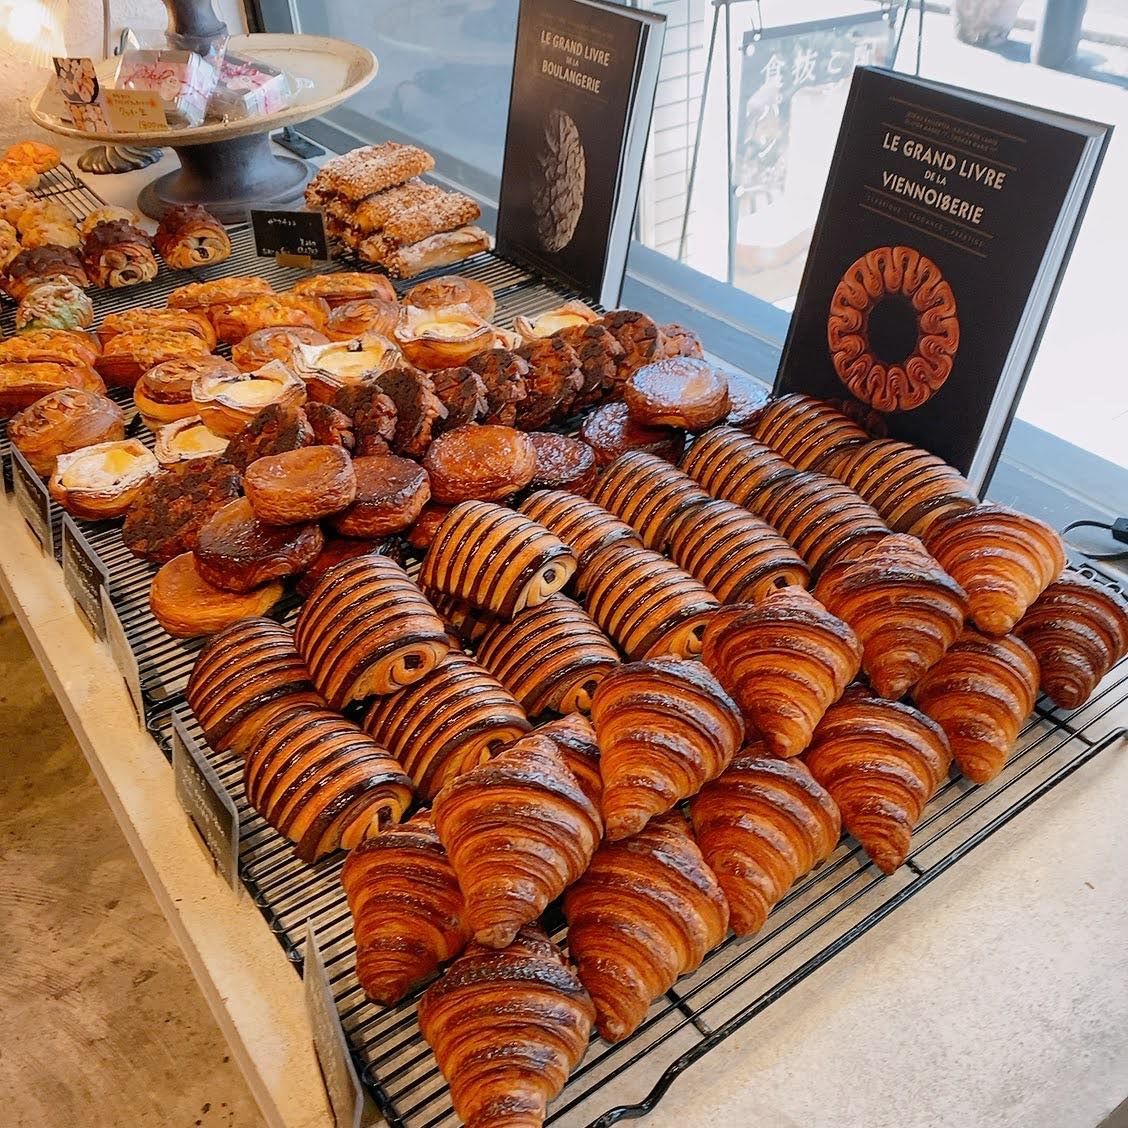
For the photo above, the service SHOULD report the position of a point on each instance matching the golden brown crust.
(441, 338)
(352, 319)
(36, 264)
(390, 494)
(679, 392)
(61, 422)
(235, 320)
(505, 376)
(611, 433)
(221, 402)
(555, 379)
(219, 291)
(38, 154)
(453, 289)
(275, 342)
(170, 320)
(463, 394)
(479, 462)
(56, 346)
(127, 356)
(808, 432)
(442, 249)
(101, 482)
(118, 254)
(563, 463)
(599, 354)
(189, 235)
(581, 524)
(163, 394)
(340, 286)
(732, 466)
(365, 171)
(574, 736)
(22, 384)
(640, 338)
(307, 484)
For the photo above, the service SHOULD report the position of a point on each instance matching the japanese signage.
(297, 234)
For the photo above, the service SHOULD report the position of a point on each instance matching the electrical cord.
(1118, 530)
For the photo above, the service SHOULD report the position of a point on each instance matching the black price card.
(206, 802)
(124, 657)
(84, 575)
(292, 234)
(341, 1081)
(33, 501)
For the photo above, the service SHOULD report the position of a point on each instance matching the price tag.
(206, 802)
(84, 575)
(124, 657)
(135, 111)
(290, 235)
(33, 501)
(341, 1081)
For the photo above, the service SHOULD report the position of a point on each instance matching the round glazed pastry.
(174, 504)
(226, 402)
(101, 482)
(366, 315)
(443, 337)
(450, 290)
(423, 529)
(336, 550)
(62, 422)
(610, 432)
(55, 304)
(681, 392)
(746, 398)
(187, 606)
(186, 439)
(568, 316)
(300, 485)
(164, 393)
(328, 368)
(563, 463)
(390, 493)
(277, 342)
(482, 462)
(338, 287)
(277, 428)
(22, 383)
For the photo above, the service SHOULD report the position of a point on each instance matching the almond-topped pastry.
(452, 290)
(56, 303)
(14, 199)
(164, 392)
(101, 482)
(170, 320)
(126, 357)
(328, 368)
(563, 463)
(367, 170)
(442, 337)
(235, 320)
(185, 439)
(117, 254)
(52, 212)
(226, 401)
(610, 432)
(220, 291)
(365, 315)
(567, 316)
(62, 422)
(390, 494)
(300, 485)
(55, 346)
(35, 265)
(38, 232)
(479, 462)
(339, 287)
(21, 384)
(187, 606)
(276, 342)
(188, 235)
(681, 392)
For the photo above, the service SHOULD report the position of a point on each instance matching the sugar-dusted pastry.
(100, 482)
(118, 254)
(276, 342)
(218, 292)
(507, 1028)
(173, 504)
(374, 415)
(322, 782)
(297, 486)
(187, 606)
(611, 433)
(881, 762)
(238, 319)
(61, 422)
(479, 462)
(665, 727)
(21, 384)
(747, 398)
(127, 356)
(599, 354)
(56, 303)
(38, 264)
(336, 551)
(188, 235)
(555, 379)
(575, 738)
(145, 320)
(1078, 630)
(448, 723)
(366, 631)
(242, 673)
(1003, 559)
(237, 552)
(581, 524)
(980, 693)
(41, 156)
(14, 199)
(390, 494)
(505, 376)
(646, 912)
(808, 432)
(728, 464)
(518, 831)
(423, 212)
(108, 214)
(785, 661)
(407, 909)
(677, 392)
(677, 340)
(496, 559)
(640, 338)
(417, 409)
(463, 394)
(451, 290)
(329, 368)
(227, 401)
(441, 338)
(570, 315)
(55, 346)
(904, 608)
(563, 463)
(370, 169)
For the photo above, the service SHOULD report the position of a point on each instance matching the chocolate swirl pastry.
(1078, 629)
(611, 433)
(188, 235)
(649, 606)
(599, 353)
(463, 394)
(242, 674)
(563, 463)
(322, 782)
(483, 462)
(730, 465)
(507, 1028)
(279, 427)
(904, 608)
(366, 631)
(738, 557)
(64, 421)
(390, 493)
(646, 912)
(881, 762)
(300, 485)
(550, 657)
(761, 825)
(575, 738)
(118, 254)
(496, 559)
(30, 267)
(665, 728)
(505, 375)
(555, 379)
(679, 392)
(581, 524)
(373, 416)
(809, 433)
(518, 831)
(641, 341)
(407, 909)
(173, 505)
(785, 661)
(450, 722)
(980, 693)
(417, 409)
(649, 494)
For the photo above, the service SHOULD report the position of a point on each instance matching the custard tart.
(227, 401)
(100, 482)
(186, 439)
(441, 338)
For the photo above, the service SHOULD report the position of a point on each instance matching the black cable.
(1118, 530)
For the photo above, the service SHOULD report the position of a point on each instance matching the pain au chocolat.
(62, 422)
(483, 462)
(186, 439)
(188, 236)
(581, 524)
(187, 606)
(734, 467)
(809, 433)
(302, 485)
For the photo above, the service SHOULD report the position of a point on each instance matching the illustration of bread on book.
(559, 197)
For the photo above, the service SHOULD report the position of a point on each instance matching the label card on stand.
(84, 575)
(290, 236)
(124, 657)
(206, 802)
(33, 501)
(135, 111)
(341, 1081)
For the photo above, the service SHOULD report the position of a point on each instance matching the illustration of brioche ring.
(878, 274)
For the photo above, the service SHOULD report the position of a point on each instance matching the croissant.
(646, 911)
(1003, 559)
(574, 736)
(905, 610)
(448, 723)
(761, 825)
(518, 831)
(728, 464)
(407, 908)
(1078, 630)
(809, 433)
(189, 235)
(881, 762)
(118, 254)
(507, 1028)
(785, 661)
(367, 630)
(581, 524)
(495, 559)
(551, 656)
(664, 727)
(980, 693)
(738, 557)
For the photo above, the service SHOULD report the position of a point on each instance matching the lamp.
(32, 30)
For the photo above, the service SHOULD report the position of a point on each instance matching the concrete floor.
(103, 1023)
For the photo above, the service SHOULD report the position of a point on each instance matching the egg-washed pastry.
(308, 484)
(277, 428)
(640, 337)
(21, 384)
(678, 392)
(563, 463)
(443, 337)
(220, 291)
(126, 357)
(483, 462)
(15, 172)
(228, 401)
(169, 320)
(362, 172)
(444, 249)
(554, 381)
(163, 394)
(276, 342)
(453, 289)
(38, 154)
(463, 394)
(336, 551)
(39, 212)
(341, 286)
(13, 199)
(570, 315)
(117, 254)
(235, 320)
(30, 267)
(55, 304)
(62, 422)
(186, 439)
(61, 346)
(599, 353)
(390, 494)
(9, 243)
(52, 235)
(430, 210)
(335, 365)
(188, 235)
(611, 432)
(100, 482)
(108, 214)
(352, 319)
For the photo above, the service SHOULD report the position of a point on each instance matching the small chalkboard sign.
(84, 575)
(291, 234)
(33, 501)
(206, 802)
(337, 1069)
(122, 652)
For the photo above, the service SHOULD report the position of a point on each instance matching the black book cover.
(916, 298)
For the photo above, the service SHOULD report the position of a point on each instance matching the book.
(584, 77)
(945, 227)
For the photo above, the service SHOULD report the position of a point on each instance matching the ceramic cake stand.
(230, 167)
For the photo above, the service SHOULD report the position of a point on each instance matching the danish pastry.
(148, 320)
(300, 485)
(328, 369)
(276, 342)
(570, 315)
(484, 462)
(227, 401)
(21, 384)
(441, 338)
(679, 392)
(128, 356)
(56, 303)
(337, 288)
(100, 482)
(453, 290)
(364, 315)
(390, 493)
(186, 439)
(219, 292)
(611, 433)
(61, 422)
(235, 320)
(53, 346)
